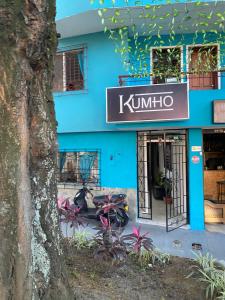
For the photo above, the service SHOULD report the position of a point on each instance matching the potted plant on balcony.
(167, 185)
(158, 188)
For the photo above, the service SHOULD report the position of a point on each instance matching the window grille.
(69, 71)
(166, 65)
(203, 64)
(79, 167)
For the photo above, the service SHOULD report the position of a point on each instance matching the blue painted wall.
(84, 111)
(81, 115)
(196, 191)
(118, 155)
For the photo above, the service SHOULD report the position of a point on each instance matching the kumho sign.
(147, 103)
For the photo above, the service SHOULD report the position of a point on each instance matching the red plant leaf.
(63, 203)
(136, 231)
(145, 234)
(108, 207)
(104, 221)
(136, 247)
(77, 210)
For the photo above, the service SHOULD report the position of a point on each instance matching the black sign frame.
(179, 113)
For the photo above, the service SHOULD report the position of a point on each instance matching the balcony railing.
(197, 81)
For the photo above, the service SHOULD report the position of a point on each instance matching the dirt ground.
(93, 279)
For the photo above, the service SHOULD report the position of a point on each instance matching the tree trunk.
(31, 260)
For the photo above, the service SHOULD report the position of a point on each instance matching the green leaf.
(117, 12)
(100, 13)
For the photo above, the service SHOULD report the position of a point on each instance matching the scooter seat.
(104, 198)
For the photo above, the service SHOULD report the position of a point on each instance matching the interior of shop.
(214, 176)
(156, 175)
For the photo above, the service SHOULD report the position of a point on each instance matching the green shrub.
(81, 240)
(148, 258)
(212, 275)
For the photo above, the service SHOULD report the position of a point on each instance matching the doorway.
(214, 178)
(162, 178)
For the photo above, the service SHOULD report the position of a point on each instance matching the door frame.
(146, 142)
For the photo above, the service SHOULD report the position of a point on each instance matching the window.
(79, 167)
(69, 71)
(203, 63)
(166, 65)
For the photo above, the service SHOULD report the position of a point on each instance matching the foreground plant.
(109, 243)
(115, 246)
(210, 274)
(114, 211)
(69, 214)
(148, 258)
(142, 249)
(137, 241)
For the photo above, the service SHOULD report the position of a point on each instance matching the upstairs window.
(78, 167)
(166, 65)
(203, 65)
(69, 71)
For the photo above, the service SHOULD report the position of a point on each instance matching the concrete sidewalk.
(177, 242)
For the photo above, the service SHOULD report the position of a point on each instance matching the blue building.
(165, 145)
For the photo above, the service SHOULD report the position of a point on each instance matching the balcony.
(197, 81)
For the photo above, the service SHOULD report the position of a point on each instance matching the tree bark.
(31, 260)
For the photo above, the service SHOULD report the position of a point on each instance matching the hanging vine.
(164, 25)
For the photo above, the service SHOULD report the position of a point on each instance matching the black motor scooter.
(113, 207)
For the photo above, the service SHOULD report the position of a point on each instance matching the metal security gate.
(162, 174)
